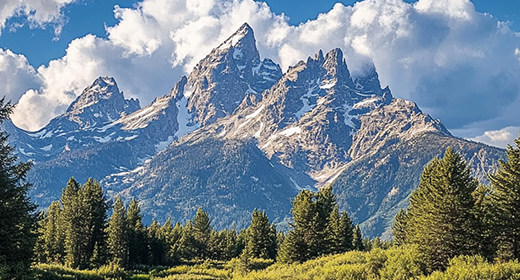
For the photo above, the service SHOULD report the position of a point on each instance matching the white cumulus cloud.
(499, 138)
(37, 12)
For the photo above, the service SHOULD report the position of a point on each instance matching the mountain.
(238, 134)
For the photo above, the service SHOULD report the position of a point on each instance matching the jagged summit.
(236, 134)
(243, 37)
(220, 81)
(99, 103)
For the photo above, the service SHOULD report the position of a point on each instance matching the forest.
(454, 228)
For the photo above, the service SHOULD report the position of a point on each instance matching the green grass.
(397, 263)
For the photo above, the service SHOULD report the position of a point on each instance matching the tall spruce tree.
(261, 236)
(137, 241)
(347, 232)
(53, 238)
(441, 217)
(339, 232)
(72, 221)
(357, 239)
(505, 204)
(18, 221)
(188, 245)
(158, 248)
(117, 234)
(399, 228)
(94, 209)
(202, 233)
(293, 248)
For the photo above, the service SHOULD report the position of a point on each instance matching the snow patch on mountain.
(185, 119)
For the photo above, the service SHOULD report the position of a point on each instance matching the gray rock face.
(236, 134)
(220, 81)
(100, 103)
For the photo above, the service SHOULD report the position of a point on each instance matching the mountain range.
(237, 134)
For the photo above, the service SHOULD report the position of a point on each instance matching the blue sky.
(91, 16)
(458, 60)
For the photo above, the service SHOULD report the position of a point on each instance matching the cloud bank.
(457, 64)
(37, 12)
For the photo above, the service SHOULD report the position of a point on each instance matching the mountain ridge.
(241, 134)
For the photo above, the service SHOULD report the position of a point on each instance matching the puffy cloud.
(38, 12)
(499, 138)
(457, 64)
(16, 75)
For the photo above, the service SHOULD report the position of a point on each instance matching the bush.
(475, 267)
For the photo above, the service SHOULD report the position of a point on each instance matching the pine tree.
(72, 220)
(357, 240)
(201, 233)
(18, 221)
(325, 202)
(188, 245)
(117, 234)
(157, 246)
(399, 228)
(53, 235)
(137, 245)
(217, 245)
(305, 218)
(347, 232)
(94, 209)
(505, 207)
(261, 238)
(441, 217)
(165, 234)
(334, 233)
(231, 250)
(339, 233)
(174, 243)
(293, 249)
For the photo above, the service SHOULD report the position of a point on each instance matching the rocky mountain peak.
(219, 82)
(99, 103)
(368, 80)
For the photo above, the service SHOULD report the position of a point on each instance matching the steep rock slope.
(390, 151)
(236, 134)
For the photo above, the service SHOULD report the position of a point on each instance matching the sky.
(459, 60)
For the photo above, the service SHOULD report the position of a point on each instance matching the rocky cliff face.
(236, 134)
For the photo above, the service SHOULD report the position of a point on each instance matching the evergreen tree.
(18, 221)
(84, 221)
(117, 234)
(231, 250)
(165, 234)
(347, 232)
(137, 241)
(505, 206)
(94, 209)
(293, 248)
(357, 240)
(305, 219)
(217, 245)
(261, 238)
(399, 228)
(72, 221)
(188, 245)
(334, 233)
(173, 242)
(157, 246)
(325, 202)
(339, 232)
(53, 235)
(441, 217)
(201, 233)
